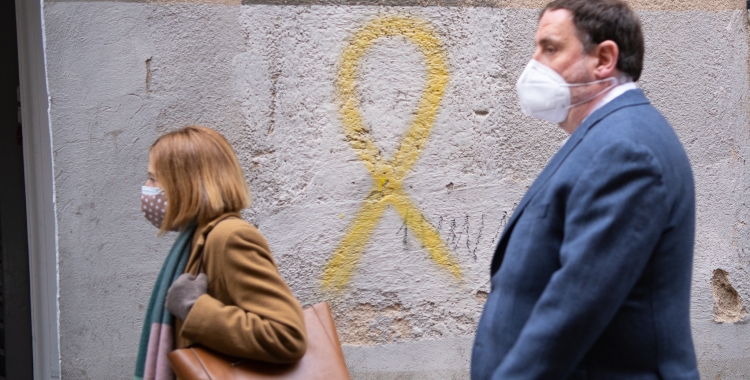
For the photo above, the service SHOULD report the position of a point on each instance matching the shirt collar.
(611, 95)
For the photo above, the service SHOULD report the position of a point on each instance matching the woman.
(219, 281)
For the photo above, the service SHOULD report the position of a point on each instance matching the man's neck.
(578, 114)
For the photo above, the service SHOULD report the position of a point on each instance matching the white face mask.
(544, 94)
(153, 204)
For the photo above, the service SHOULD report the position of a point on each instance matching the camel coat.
(249, 310)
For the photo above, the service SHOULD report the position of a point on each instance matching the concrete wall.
(406, 279)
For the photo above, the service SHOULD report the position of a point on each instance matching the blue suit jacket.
(591, 277)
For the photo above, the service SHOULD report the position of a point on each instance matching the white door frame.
(40, 194)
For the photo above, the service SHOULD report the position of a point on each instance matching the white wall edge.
(40, 195)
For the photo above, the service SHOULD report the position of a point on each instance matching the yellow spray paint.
(389, 174)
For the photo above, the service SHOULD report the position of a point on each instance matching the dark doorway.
(15, 303)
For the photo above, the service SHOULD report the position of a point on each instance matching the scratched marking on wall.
(388, 174)
(464, 233)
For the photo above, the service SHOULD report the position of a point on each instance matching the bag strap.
(200, 263)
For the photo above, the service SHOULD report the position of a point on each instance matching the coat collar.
(629, 98)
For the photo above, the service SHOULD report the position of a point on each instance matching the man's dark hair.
(600, 20)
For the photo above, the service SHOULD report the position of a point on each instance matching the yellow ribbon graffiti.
(389, 174)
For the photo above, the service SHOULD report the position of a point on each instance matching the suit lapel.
(629, 98)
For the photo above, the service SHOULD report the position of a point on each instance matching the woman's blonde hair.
(200, 175)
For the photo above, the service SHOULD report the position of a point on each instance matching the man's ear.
(607, 53)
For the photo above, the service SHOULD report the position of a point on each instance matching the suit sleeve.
(265, 321)
(614, 217)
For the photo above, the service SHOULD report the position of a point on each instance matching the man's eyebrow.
(548, 40)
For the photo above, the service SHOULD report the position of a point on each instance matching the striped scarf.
(157, 336)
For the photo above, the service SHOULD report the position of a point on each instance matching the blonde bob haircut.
(200, 175)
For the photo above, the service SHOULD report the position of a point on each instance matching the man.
(591, 277)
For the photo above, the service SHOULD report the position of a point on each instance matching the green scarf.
(157, 336)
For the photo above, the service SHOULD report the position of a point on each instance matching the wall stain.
(148, 75)
(390, 321)
(275, 56)
(640, 5)
(649, 5)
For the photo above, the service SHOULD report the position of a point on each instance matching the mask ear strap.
(615, 83)
(610, 79)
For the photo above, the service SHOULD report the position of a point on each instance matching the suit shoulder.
(637, 116)
(641, 124)
(625, 149)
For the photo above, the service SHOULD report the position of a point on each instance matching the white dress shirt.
(612, 94)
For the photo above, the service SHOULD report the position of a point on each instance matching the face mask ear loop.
(614, 84)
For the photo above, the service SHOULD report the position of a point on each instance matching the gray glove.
(184, 292)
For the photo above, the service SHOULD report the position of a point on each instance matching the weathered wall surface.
(406, 274)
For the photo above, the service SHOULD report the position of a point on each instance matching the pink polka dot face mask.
(153, 204)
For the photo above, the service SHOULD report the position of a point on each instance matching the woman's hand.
(184, 292)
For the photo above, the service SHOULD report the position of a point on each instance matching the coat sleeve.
(265, 320)
(614, 217)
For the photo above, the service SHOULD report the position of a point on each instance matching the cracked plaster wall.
(122, 73)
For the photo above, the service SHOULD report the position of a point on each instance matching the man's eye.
(550, 49)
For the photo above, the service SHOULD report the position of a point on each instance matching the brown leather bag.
(323, 358)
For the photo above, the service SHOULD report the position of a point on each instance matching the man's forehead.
(555, 24)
